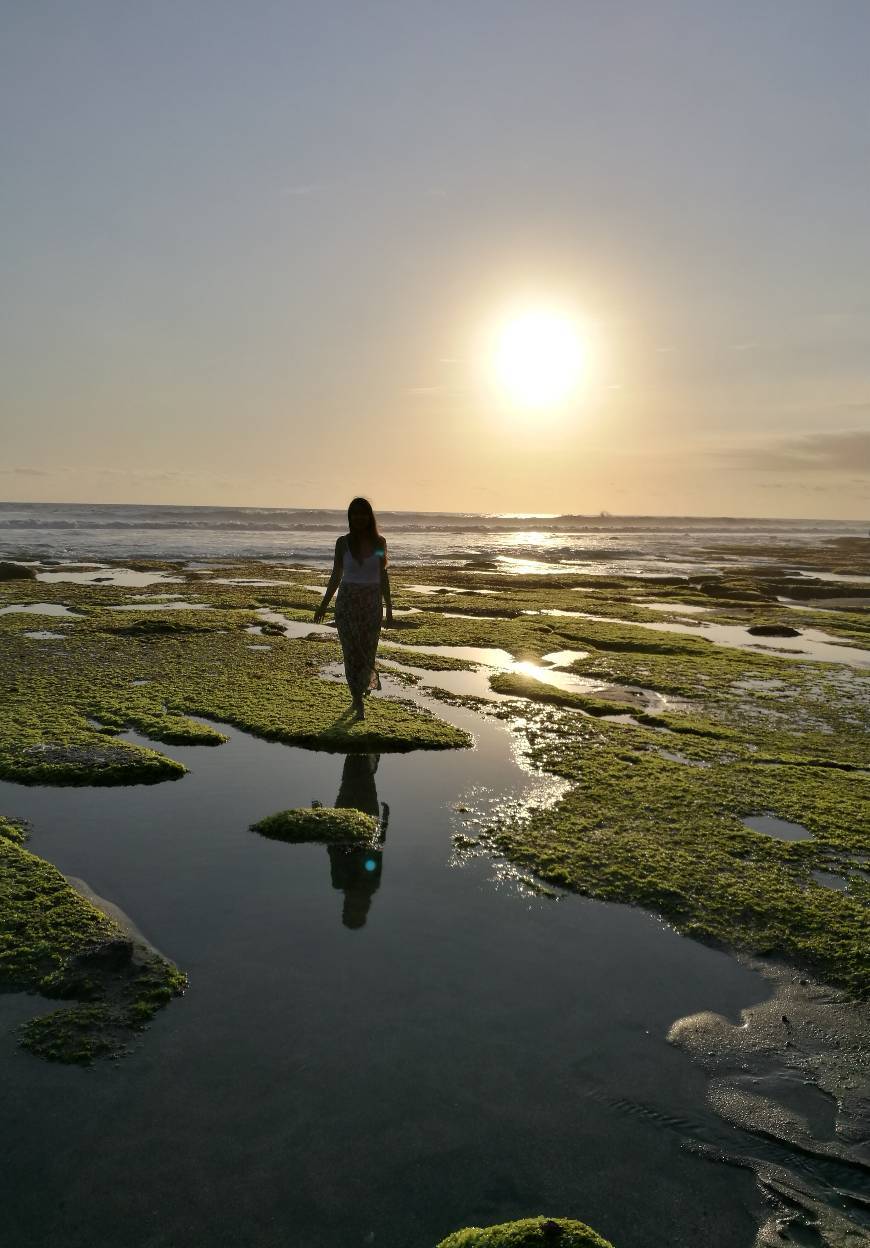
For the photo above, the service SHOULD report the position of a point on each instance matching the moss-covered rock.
(528, 1233)
(328, 825)
(55, 942)
(16, 572)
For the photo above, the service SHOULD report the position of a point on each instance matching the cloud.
(847, 450)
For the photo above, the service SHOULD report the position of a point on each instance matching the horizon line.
(504, 515)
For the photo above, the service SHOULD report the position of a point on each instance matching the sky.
(250, 252)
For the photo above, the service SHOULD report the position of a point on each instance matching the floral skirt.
(358, 620)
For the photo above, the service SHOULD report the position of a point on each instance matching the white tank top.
(366, 573)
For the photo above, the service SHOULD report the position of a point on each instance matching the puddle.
(771, 825)
(846, 578)
(41, 608)
(677, 608)
(238, 580)
(447, 589)
(155, 597)
(810, 645)
(324, 1003)
(111, 576)
(563, 658)
(46, 636)
(476, 684)
(829, 880)
(470, 615)
(557, 611)
(292, 628)
(681, 758)
(823, 604)
(256, 647)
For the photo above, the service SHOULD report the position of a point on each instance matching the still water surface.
(365, 1056)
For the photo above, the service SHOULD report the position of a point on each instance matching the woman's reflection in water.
(358, 871)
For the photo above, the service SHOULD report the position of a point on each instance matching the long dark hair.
(371, 530)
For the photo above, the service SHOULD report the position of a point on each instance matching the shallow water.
(40, 608)
(811, 644)
(103, 573)
(847, 578)
(468, 1053)
(782, 829)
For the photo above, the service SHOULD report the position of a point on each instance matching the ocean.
(635, 545)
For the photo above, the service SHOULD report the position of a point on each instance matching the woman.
(359, 572)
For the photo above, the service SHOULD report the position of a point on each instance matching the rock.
(773, 630)
(16, 572)
(109, 955)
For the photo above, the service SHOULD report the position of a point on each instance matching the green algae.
(327, 825)
(537, 1232)
(195, 663)
(55, 942)
(643, 829)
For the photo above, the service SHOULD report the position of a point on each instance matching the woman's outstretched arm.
(334, 582)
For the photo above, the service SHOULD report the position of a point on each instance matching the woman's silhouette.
(359, 572)
(356, 871)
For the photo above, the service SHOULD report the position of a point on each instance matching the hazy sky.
(249, 249)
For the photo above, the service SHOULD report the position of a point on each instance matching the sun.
(537, 357)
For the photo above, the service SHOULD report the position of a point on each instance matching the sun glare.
(538, 357)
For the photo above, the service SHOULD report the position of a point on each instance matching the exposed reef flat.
(66, 700)
(655, 815)
(672, 808)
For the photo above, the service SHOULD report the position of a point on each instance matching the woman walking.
(359, 573)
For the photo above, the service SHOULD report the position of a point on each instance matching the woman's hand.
(319, 614)
(388, 619)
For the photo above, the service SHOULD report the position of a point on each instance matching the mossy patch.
(528, 1233)
(63, 707)
(645, 829)
(55, 942)
(327, 825)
